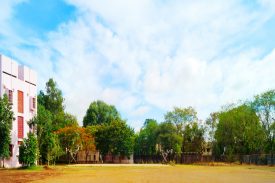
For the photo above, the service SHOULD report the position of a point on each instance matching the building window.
(10, 96)
(20, 97)
(20, 121)
(11, 150)
(32, 103)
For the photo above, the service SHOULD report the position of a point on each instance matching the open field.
(142, 174)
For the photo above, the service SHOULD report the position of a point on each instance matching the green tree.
(264, 105)
(169, 141)
(238, 132)
(54, 149)
(99, 113)
(146, 140)
(193, 138)
(181, 117)
(6, 117)
(211, 126)
(28, 151)
(48, 142)
(52, 100)
(116, 138)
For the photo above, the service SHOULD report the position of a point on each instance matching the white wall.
(10, 80)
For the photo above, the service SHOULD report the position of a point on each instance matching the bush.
(28, 151)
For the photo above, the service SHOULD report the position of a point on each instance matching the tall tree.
(193, 138)
(48, 142)
(211, 126)
(6, 117)
(264, 104)
(239, 132)
(181, 117)
(169, 141)
(116, 138)
(146, 141)
(52, 99)
(99, 113)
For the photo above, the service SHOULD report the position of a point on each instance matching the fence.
(189, 158)
(258, 159)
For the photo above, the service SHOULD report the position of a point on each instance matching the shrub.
(28, 151)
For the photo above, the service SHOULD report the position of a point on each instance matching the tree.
(87, 141)
(52, 100)
(181, 117)
(116, 138)
(6, 118)
(211, 126)
(62, 120)
(99, 113)
(264, 105)
(169, 140)
(70, 139)
(28, 151)
(193, 138)
(48, 142)
(54, 149)
(146, 141)
(238, 132)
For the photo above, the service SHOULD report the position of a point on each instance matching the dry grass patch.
(142, 174)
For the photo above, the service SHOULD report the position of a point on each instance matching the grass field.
(141, 174)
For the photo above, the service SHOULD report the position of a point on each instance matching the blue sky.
(145, 56)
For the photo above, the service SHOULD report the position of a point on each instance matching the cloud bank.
(147, 56)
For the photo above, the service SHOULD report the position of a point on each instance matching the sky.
(144, 56)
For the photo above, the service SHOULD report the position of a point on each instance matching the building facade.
(19, 83)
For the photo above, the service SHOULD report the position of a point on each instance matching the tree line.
(237, 129)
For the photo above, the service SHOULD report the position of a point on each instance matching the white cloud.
(147, 56)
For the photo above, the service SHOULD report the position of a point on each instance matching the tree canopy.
(116, 138)
(264, 105)
(146, 140)
(100, 113)
(6, 118)
(239, 131)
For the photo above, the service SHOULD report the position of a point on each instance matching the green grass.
(32, 168)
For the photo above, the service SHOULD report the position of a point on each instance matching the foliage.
(48, 142)
(54, 150)
(116, 138)
(52, 100)
(50, 118)
(6, 117)
(87, 141)
(168, 138)
(28, 151)
(239, 132)
(264, 105)
(145, 142)
(193, 138)
(70, 138)
(99, 113)
(211, 125)
(180, 117)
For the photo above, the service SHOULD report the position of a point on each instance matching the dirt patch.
(22, 176)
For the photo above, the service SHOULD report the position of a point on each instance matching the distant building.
(92, 157)
(207, 149)
(19, 83)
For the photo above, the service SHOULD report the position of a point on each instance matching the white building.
(19, 83)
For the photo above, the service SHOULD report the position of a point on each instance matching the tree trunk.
(87, 153)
